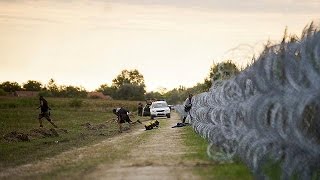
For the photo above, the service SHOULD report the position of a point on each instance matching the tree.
(106, 90)
(152, 94)
(32, 86)
(197, 89)
(221, 71)
(177, 95)
(72, 91)
(174, 96)
(130, 92)
(10, 86)
(129, 85)
(162, 90)
(53, 88)
(2, 92)
(218, 71)
(128, 77)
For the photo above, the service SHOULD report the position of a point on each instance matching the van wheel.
(152, 117)
(168, 115)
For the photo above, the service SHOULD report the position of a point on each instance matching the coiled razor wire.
(271, 110)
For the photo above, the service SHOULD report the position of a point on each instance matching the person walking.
(140, 108)
(45, 113)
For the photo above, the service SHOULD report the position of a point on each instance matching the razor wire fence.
(271, 110)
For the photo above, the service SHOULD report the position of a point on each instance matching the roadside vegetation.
(207, 168)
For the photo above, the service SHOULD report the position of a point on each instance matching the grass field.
(20, 115)
(207, 168)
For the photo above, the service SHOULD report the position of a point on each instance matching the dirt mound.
(16, 137)
(43, 132)
(33, 134)
(89, 126)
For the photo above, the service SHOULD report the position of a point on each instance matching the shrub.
(2, 92)
(76, 103)
(45, 94)
(95, 97)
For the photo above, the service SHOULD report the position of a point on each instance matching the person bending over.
(123, 116)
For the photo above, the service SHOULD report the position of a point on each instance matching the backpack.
(152, 124)
(44, 106)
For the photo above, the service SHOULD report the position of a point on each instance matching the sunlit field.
(80, 122)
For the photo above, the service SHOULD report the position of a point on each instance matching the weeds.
(76, 103)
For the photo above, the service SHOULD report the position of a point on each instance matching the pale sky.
(171, 42)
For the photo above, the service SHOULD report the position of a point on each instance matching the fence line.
(271, 110)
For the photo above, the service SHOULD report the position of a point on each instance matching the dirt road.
(159, 156)
(136, 154)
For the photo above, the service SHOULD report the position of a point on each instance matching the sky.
(170, 42)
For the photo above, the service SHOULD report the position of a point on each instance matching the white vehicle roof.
(161, 102)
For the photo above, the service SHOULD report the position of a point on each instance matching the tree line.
(128, 85)
(50, 90)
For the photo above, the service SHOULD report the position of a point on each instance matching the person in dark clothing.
(123, 116)
(45, 113)
(187, 108)
(140, 108)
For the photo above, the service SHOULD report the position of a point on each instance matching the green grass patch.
(21, 115)
(208, 169)
(272, 169)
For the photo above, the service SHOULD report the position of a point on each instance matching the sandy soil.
(159, 156)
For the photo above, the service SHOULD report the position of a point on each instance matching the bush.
(2, 92)
(45, 94)
(95, 97)
(76, 103)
